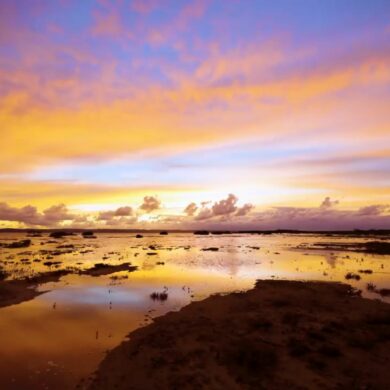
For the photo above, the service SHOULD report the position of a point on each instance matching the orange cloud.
(50, 116)
(159, 117)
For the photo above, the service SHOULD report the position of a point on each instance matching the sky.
(220, 114)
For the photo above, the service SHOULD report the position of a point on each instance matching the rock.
(18, 244)
(60, 234)
(88, 234)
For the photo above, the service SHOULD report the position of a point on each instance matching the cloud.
(144, 6)
(189, 76)
(187, 16)
(29, 215)
(190, 210)
(106, 215)
(59, 215)
(322, 218)
(57, 86)
(107, 25)
(328, 203)
(204, 213)
(377, 209)
(122, 221)
(225, 208)
(55, 214)
(150, 204)
(223, 214)
(244, 210)
(125, 211)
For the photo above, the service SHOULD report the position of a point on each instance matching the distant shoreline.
(211, 231)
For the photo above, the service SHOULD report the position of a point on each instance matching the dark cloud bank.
(224, 214)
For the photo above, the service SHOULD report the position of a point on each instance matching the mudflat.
(279, 335)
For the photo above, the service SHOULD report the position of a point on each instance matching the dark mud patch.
(101, 269)
(3, 274)
(324, 335)
(373, 247)
(16, 244)
(61, 234)
(13, 292)
(17, 291)
(383, 292)
(88, 234)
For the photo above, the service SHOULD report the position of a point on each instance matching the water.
(58, 339)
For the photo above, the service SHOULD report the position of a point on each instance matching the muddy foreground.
(281, 334)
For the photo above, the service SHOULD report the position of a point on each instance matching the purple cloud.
(150, 204)
(190, 210)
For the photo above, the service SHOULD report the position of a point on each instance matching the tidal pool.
(57, 339)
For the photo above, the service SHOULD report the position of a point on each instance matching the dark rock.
(351, 275)
(18, 244)
(60, 234)
(88, 234)
(156, 296)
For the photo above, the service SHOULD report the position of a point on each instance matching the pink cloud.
(29, 215)
(150, 204)
(244, 210)
(109, 24)
(145, 6)
(225, 208)
(328, 203)
(190, 210)
(220, 217)
(125, 211)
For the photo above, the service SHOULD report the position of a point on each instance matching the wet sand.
(279, 335)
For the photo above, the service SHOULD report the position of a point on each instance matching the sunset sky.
(188, 114)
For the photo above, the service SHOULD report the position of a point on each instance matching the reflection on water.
(57, 339)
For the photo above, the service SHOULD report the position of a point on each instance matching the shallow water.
(57, 340)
